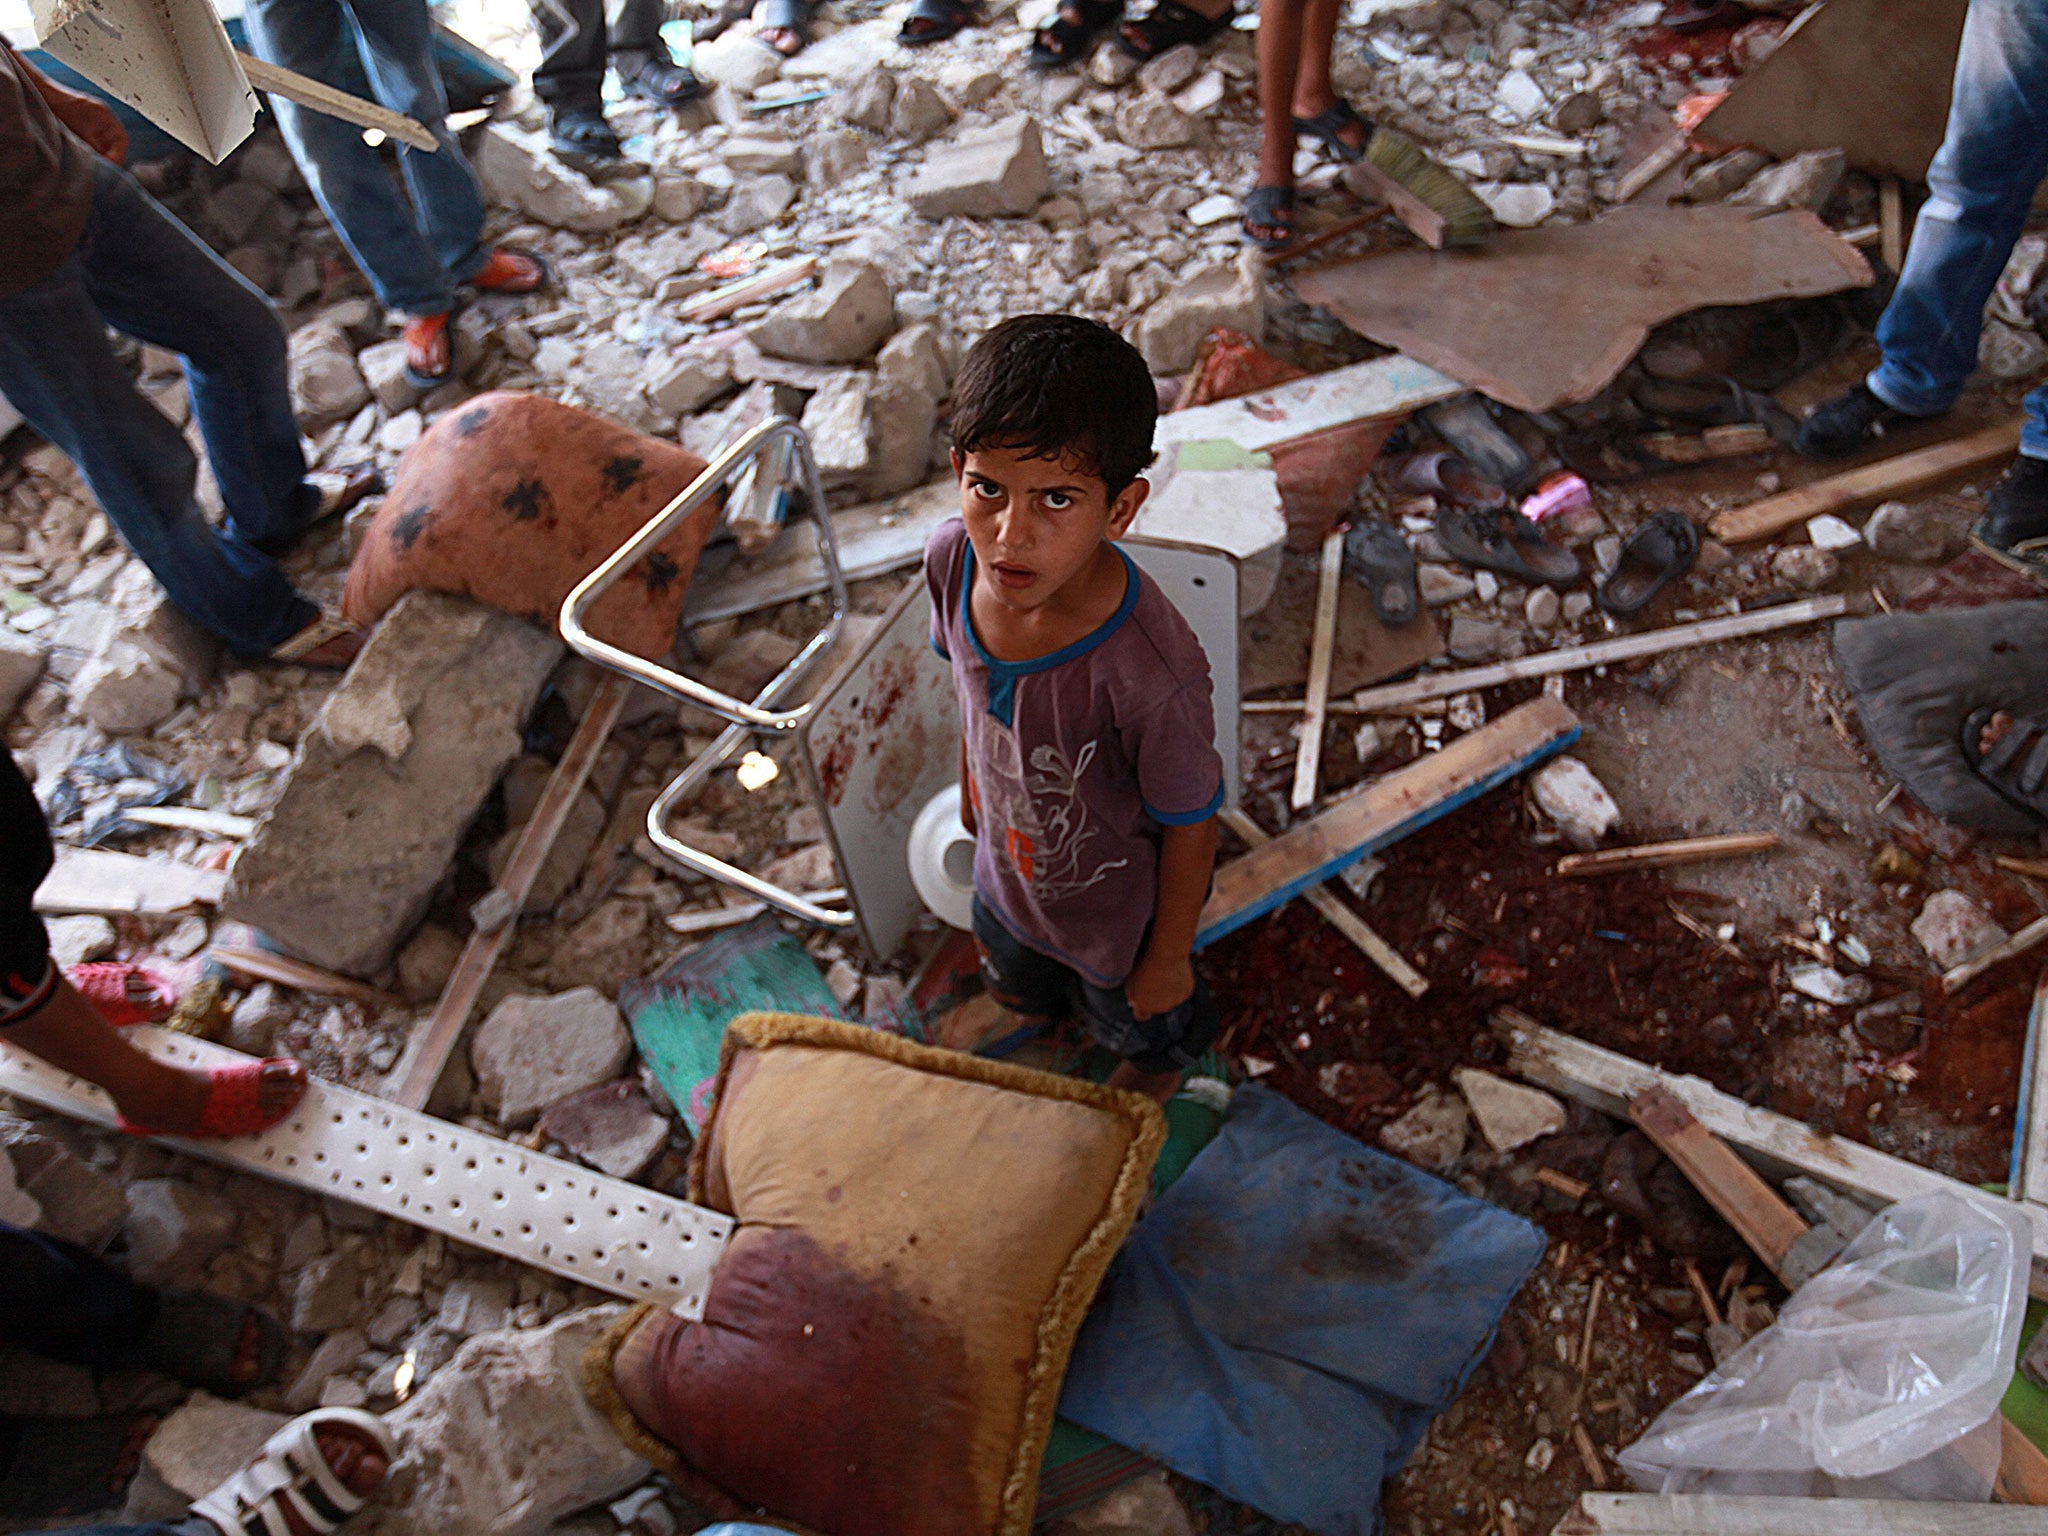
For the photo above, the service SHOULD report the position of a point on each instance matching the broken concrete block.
(678, 198)
(1510, 1115)
(1146, 1506)
(253, 1026)
(843, 320)
(327, 1294)
(1807, 180)
(1566, 791)
(1225, 293)
(837, 423)
(831, 158)
(326, 383)
(126, 688)
(901, 421)
(1953, 928)
(1517, 204)
(80, 1204)
(174, 1227)
(206, 1442)
(75, 940)
(986, 173)
(1909, 534)
(335, 1354)
(736, 59)
(1717, 178)
(1171, 70)
(426, 963)
(918, 111)
(517, 171)
(470, 1307)
(21, 664)
(1805, 567)
(613, 1127)
(1432, 1134)
(689, 379)
(1476, 639)
(2010, 351)
(501, 1441)
(1440, 585)
(756, 202)
(342, 867)
(914, 358)
(1152, 122)
(600, 952)
(750, 154)
(383, 368)
(17, 1205)
(867, 102)
(532, 1051)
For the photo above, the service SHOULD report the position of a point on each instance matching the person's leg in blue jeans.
(59, 371)
(1980, 185)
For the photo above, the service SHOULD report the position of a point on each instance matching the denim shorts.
(1021, 978)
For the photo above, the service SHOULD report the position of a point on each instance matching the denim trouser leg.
(574, 50)
(192, 1525)
(413, 259)
(141, 269)
(1983, 178)
(58, 1301)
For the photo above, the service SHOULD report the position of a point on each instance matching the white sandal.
(290, 1471)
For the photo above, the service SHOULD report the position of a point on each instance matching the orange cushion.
(513, 499)
(920, 1233)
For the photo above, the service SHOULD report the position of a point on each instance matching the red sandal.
(125, 994)
(233, 1102)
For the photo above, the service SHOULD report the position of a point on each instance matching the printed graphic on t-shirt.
(1046, 826)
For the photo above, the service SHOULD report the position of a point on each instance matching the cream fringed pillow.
(920, 1233)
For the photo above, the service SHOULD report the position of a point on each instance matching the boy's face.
(1037, 523)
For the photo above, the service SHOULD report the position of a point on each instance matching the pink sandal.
(126, 994)
(233, 1103)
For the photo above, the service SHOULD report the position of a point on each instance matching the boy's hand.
(92, 120)
(1158, 984)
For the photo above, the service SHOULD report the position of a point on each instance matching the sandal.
(1380, 558)
(124, 994)
(1327, 128)
(1446, 475)
(1500, 539)
(581, 139)
(2017, 763)
(1269, 208)
(234, 1105)
(72, 1466)
(328, 644)
(791, 16)
(1656, 554)
(429, 352)
(292, 1473)
(1073, 29)
(513, 269)
(1166, 26)
(934, 21)
(197, 1338)
(665, 83)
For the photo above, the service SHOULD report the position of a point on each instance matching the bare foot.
(786, 41)
(1154, 1085)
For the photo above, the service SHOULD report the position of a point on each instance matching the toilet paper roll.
(942, 859)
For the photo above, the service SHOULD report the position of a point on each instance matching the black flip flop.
(1272, 207)
(1167, 25)
(948, 18)
(1379, 557)
(1656, 554)
(197, 1338)
(1327, 128)
(2017, 766)
(1073, 34)
(1500, 539)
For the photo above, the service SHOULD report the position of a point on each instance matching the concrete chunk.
(532, 1051)
(1225, 293)
(988, 173)
(849, 314)
(386, 782)
(1510, 1115)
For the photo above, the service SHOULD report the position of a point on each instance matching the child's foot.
(1154, 1085)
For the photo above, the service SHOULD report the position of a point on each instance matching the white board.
(168, 59)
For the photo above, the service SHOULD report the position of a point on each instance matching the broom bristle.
(1467, 219)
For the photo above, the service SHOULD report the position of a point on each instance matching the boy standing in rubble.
(1088, 766)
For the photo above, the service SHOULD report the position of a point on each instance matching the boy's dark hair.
(1054, 385)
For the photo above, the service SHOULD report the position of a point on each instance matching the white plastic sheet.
(1880, 1379)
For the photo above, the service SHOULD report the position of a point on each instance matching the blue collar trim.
(1003, 675)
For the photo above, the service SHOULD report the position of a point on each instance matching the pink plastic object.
(1557, 494)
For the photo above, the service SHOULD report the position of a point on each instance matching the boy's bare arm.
(1164, 976)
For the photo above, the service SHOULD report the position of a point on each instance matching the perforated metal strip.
(477, 1189)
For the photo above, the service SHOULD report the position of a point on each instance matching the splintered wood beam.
(1756, 1211)
(1383, 813)
(1904, 475)
(317, 96)
(1308, 757)
(1997, 955)
(1689, 850)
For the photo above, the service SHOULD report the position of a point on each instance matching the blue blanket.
(1288, 1317)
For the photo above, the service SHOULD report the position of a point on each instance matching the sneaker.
(1836, 428)
(2014, 527)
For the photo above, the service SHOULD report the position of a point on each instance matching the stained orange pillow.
(512, 499)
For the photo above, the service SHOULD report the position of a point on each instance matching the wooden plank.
(1578, 658)
(427, 1052)
(1686, 850)
(2033, 869)
(1308, 757)
(1650, 167)
(1386, 386)
(1384, 812)
(1749, 1205)
(1891, 223)
(2028, 1178)
(1778, 1144)
(318, 96)
(1997, 955)
(185, 819)
(1332, 908)
(109, 884)
(1905, 474)
(1694, 1514)
(2022, 1470)
(286, 971)
(746, 290)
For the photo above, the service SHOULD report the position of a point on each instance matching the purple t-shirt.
(1078, 760)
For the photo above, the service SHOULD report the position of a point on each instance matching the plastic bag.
(1880, 1379)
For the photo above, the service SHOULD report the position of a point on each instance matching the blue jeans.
(139, 270)
(414, 254)
(191, 1525)
(1992, 157)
